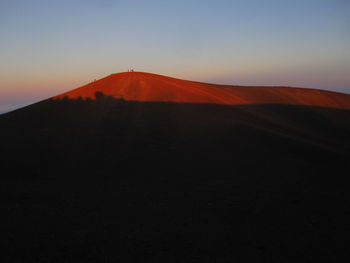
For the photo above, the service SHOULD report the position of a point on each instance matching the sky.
(49, 47)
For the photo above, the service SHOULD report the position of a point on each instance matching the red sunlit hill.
(140, 86)
(138, 167)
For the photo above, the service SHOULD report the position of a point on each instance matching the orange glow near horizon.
(49, 47)
(17, 92)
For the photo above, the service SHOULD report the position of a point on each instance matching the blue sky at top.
(48, 47)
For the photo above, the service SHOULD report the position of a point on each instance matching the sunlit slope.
(140, 86)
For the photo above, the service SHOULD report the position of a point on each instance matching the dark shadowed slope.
(104, 179)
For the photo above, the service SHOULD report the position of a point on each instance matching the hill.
(138, 167)
(140, 86)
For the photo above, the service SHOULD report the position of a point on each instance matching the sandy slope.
(145, 180)
(140, 86)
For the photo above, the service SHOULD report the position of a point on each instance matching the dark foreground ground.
(112, 181)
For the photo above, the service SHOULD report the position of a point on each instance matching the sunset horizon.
(174, 131)
(48, 48)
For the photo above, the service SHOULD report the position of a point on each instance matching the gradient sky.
(48, 47)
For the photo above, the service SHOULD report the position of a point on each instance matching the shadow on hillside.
(108, 180)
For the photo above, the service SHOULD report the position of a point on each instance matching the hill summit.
(141, 86)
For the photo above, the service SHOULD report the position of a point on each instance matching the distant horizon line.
(18, 103)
